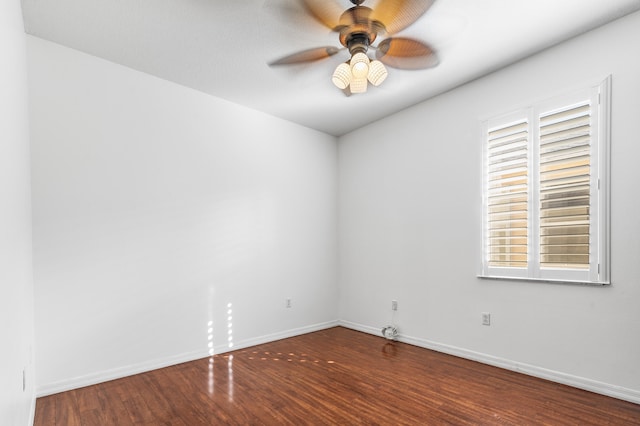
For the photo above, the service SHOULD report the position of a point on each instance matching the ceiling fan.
(358, 28)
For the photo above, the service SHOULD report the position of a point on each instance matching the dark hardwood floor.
(332, 377)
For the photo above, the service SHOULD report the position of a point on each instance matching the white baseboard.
(120, 372)
(607, 389)
(532, 370)
(275, 336)
(116, 373)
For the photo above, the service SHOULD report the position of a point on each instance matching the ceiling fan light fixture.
(359, 65)
(358, 28)
(358, 85)
(342, 76)
(377, 72)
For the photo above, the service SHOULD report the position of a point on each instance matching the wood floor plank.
(334, 376)
(67, 409)
(46, 411)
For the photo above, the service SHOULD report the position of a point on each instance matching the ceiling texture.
(223, 47)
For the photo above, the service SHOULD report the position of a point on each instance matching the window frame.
(599, 210)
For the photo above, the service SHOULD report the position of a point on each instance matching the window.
(545, 190)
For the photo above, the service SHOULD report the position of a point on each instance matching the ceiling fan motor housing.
(357, 29)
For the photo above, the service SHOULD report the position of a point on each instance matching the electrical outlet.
(288, 303)
(486, 318)
(394, 305)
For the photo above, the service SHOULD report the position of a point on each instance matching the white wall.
(16, 284)
(154, 207)
(410, 227)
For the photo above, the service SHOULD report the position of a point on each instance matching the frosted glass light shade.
(377, 72)
(359, 85)
(342, 76)
(359, 65)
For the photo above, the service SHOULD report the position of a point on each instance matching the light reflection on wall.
(210, 337)
(210, 382)
(230, 325)
(230, 345)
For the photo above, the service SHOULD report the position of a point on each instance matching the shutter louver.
(565, 159)
(508, 195)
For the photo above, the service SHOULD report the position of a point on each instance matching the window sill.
(546, 280)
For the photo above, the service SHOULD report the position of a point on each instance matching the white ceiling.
(222, 47)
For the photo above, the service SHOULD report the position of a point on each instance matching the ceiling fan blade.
(396, 15)
(406, 53)
(308, 55)
(327, 12)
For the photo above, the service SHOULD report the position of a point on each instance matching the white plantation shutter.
(545, 190)
(508, 194)
(565, 192)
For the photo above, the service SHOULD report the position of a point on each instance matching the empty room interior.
(172, 192)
